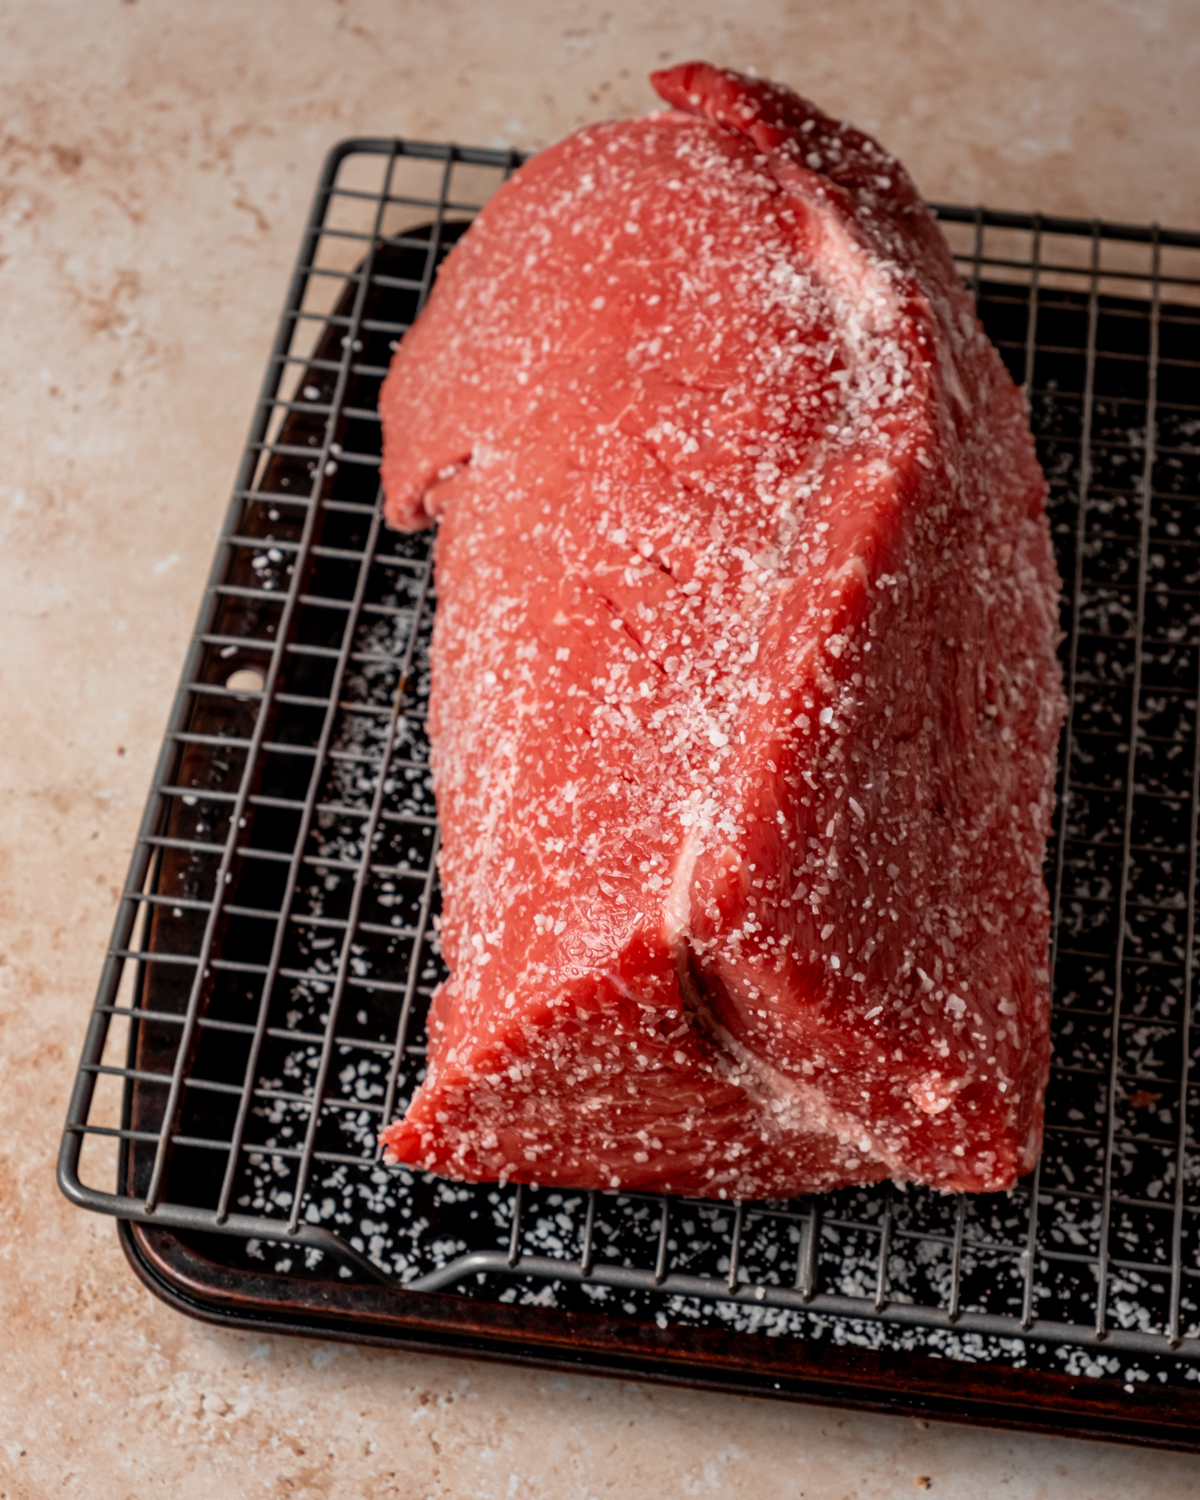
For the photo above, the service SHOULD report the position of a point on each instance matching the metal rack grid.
(261, 1009)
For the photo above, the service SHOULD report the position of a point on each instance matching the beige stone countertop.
(157, 159)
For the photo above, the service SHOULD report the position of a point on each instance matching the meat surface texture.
(745, 695)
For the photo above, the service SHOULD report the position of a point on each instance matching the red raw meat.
(745, 694)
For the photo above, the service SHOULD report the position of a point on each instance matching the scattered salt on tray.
(745, 695)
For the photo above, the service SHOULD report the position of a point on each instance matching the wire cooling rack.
(261, 1010)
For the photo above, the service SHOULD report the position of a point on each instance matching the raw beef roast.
(745, 694)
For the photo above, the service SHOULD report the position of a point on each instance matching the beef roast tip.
(745, 696)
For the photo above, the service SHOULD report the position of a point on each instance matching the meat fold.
(745, 695)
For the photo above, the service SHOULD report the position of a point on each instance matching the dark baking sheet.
(271, 1020)
(177, 1269)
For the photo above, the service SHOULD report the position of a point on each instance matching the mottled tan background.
(156, 161)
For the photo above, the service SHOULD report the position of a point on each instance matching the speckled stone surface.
(156, 162)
